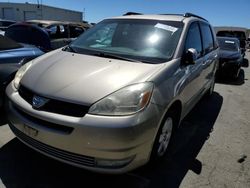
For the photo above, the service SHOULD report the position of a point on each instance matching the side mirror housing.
(190, 56)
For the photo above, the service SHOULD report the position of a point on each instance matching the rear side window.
(207, 38)
(57, 31)
(193, 39)
(75, 31)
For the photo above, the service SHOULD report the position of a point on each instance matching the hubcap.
(165, 136)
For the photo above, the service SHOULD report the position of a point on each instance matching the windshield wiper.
(69, 49)
(101, 54)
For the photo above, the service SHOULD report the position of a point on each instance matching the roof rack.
(188, 14)
(172, 14)
(132, 13)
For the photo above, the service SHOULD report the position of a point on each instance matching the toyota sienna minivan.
(112, 99)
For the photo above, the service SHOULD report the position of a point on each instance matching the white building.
(27, 11)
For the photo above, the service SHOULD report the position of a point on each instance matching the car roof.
(46, 22)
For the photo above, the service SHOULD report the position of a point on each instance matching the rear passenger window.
(194, 39)
(207, 38)
(75, 31)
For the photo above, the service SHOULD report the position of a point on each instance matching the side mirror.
(190, 56)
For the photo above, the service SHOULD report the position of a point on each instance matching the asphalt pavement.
(212, 149)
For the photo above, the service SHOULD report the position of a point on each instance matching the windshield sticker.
(229, 41)
(166, 27)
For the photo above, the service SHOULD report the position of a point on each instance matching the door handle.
(206, 62)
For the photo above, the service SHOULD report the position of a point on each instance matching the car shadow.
(3, 119)
(230, 81)
(21, 167)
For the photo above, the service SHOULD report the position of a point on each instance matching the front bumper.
(98, 143)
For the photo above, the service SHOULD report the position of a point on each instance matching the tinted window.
(75, 31)
(207, 38)
(57, 31)
(238, 34)
(29, 34)
(6, 23)
(227, 44)
(194, 38)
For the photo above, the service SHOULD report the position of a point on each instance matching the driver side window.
(193, 39)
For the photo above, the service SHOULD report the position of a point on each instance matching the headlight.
(125, 101)
(20, 74)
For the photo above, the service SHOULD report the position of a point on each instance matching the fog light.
(109, 163)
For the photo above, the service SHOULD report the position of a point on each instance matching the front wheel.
(164, 137)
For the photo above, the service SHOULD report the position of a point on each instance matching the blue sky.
(218, 12)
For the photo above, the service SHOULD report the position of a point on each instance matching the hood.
(226, 54)
(83, 79)
(26, 50)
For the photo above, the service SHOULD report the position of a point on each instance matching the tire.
(236, 73)
(164, 138)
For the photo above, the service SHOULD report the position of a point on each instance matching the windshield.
(7, 44)
(238, 34)
(149, 41)
(227, 44)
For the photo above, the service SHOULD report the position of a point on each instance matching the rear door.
(210, 54)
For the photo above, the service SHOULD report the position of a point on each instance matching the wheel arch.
(176, 108)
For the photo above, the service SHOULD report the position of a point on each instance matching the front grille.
(55, 152)
(55, 106)
(59, 128)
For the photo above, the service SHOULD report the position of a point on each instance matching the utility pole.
(83, 14)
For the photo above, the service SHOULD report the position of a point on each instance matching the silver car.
(112, 99)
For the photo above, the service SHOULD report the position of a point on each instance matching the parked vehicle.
(230, 55)
(113, 99)
(12, 56)
(237, 32)
(248, 43)
(4, 24)
(61, 33)
(29, 34)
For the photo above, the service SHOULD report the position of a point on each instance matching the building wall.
(22, 12)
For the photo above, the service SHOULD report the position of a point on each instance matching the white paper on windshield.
(229, 41)
(166, 27)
